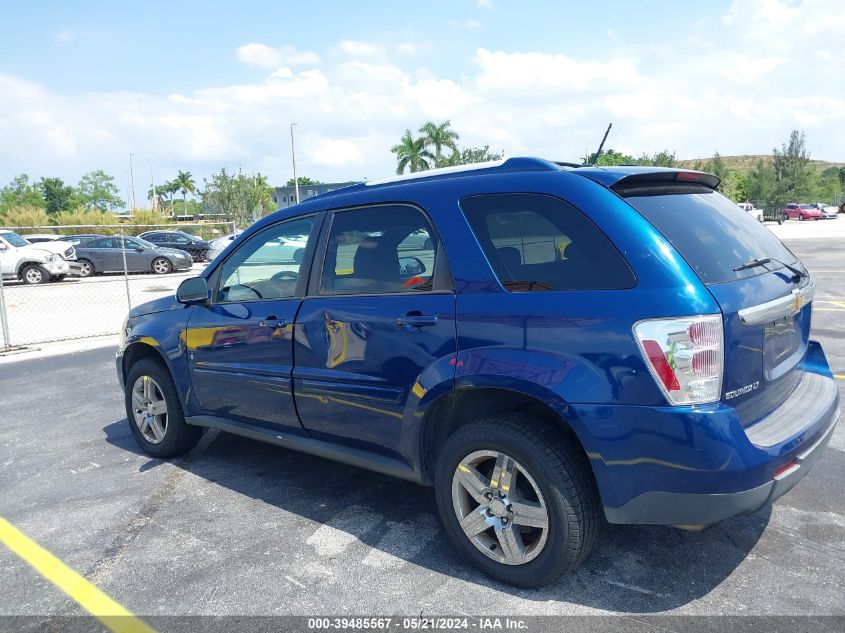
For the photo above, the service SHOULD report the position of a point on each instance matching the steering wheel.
(285, 275)
(239, 287)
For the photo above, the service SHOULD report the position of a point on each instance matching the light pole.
(155, 193)
(131, 182)
(293, 157)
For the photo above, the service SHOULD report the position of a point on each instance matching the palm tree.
(411, 153)
(440, 136)
(184, 182)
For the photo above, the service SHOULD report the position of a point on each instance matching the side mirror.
(139, 249)
(411, 266)
(193, 290)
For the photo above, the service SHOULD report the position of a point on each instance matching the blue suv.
(549, 346)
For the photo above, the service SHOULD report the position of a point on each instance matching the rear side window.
(539, 243)
(710, 232)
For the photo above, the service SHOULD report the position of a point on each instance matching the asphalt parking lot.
(242, 528)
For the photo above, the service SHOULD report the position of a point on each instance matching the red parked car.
(802, 212)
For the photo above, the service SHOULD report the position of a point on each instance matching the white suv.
(31, 263)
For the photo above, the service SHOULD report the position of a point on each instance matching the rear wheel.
(516, 499)
(155, 413)
(33, 274)
(162, 266)
(801, 217)
(86, 268)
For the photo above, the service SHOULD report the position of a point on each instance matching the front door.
(240, 352)
(380, 314)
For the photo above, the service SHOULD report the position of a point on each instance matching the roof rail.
(517, 163)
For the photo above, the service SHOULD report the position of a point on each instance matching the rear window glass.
(538, 243)
(711, 233)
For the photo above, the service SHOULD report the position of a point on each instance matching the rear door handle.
(272, 323)
(414, 322)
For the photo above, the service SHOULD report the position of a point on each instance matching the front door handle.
(413, 322)
(272, 322)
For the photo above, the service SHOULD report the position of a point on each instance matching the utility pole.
(293, 157)
(131, 182)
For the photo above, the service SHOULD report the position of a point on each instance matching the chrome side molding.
(780, 308)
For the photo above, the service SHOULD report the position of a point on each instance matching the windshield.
(711, 233)
(134, 242)
(14, 239)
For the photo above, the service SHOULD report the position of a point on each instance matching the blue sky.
(200, 86)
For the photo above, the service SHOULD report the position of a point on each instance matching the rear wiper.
(768, 260)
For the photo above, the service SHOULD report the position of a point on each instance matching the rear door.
(379, 313)
(766, 305)
(240, 350)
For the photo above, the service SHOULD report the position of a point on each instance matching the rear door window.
(537, 242)
(710, 232)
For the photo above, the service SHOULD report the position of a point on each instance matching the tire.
(177, 437)
(33, 274)
(780, 220)
(161, 266)
(553, 476)
(801, 217)
(298, 254)
(203, 256)
(86, 268)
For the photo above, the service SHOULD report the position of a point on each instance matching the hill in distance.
(743, 164)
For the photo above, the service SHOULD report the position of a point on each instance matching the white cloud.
(464, 24)
(742, 96)
(358, 49)
(270, 57)
(484, 4)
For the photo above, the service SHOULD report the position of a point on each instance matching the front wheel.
(34, 274)
(516, 499)
(800, 217)
(86, 268)
(162, 266)
(155, 413)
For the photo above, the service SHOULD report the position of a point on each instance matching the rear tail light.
(685, 356)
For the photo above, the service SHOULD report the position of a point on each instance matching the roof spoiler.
(663, 178)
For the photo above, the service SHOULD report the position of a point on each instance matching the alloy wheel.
(149, 409)
(500, 507)
(33, 276)
(161, 266)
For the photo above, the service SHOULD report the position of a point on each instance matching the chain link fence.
(45, 300)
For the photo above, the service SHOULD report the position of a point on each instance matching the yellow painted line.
(839, 376)
(828, 309)
(113, 615)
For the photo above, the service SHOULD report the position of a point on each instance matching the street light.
(131, 182)
(293, 158)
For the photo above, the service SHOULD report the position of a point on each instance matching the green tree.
(96, 189)
(411, 153)
(184, 182)
(663, 158)
(240, 198)
(57, 195)
(734, 187)
(21, 193)
(792, 168)
(303, 181)
(610, 157)
(438, 137)
(469, 155)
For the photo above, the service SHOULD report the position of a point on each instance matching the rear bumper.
(690, 509)
(74, 269)
(699, 465)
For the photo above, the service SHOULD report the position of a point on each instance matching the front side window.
(384, 249)
(267, 265)
(537, 242)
